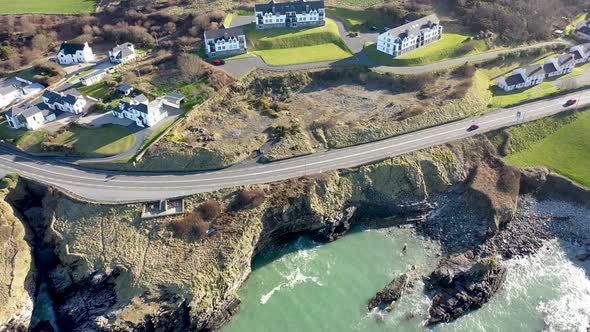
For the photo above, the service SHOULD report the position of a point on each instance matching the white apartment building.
(411, 36)
(74, 53)
(295, 14)
(225, 42)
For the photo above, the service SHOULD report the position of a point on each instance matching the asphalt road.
(119, 187)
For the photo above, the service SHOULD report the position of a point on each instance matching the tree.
(191, 67)
(170, 28)
(210, 210)
(40, 42)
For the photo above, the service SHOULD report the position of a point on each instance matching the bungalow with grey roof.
(581, 53)
(122, 53)
(68, 101)
(93, 77)
(30, 118)
(411, 36)
(9, 94)
(295, 14)
(559, 65)
(225, 42)
(522, 77)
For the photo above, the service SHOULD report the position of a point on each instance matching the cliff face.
(16, 269)
(118, 271)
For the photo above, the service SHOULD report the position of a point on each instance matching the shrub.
(190, 228)
(210, 210)
(248, 199)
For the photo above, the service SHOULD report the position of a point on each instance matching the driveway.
(239, 21)
(101, 119)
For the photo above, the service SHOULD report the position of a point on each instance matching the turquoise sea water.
(306, 287)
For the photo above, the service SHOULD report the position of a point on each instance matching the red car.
(473, 127)
(571, 102)
(218, 62)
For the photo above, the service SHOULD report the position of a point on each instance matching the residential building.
(522, 78)
(122, 53)
(69, 101)
(173, 100)
(583, 30)
(142, 111)
(581, 53)
(225, 42)
(30, 118)
(93, 77)
(408, 37)
(559, 65)
(70, 53)
(296, 14)
(8, 95)
(33, 89)
(125, 89)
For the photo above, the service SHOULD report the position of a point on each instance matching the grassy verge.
(227, 20)
(47, 6)
(357, 20)
(80, 75)
(305, 54)
(452, 45)
(502, 98)
(560, 143)
(294, 46)
(97, 142)
(572, 26)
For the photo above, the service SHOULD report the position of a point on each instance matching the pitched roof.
(125, 87)
(415, 27)
(283, 7)
(224, 33)
(141, 99)
(8, 89)
(69, 96)
(565, 59)
(550, 67)
(514, 79)
(23, 111)
(15, 111)
(31, 111)
(68, 48)
(123, 51)
(534, 69)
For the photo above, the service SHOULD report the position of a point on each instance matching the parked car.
(374, 28)
(473, 127)
(218, 62)
(353, 34)
(571, 102)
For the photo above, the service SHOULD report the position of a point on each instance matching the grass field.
(357, 20)
(97, 142)
(294, 46)
(564, 150)
(99, 90)
(305, 54)
(452, 45)
(502, 98)
(47, 6)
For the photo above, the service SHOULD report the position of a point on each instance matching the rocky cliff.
(17, 284)
(117, 271)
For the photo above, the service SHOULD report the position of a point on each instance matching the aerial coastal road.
(120, 187)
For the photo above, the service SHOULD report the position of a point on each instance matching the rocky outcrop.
(460, 285)
(386, 299)
(17, 284)
(493, 190)
(548, 185)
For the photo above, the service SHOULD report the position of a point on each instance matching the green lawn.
(227, 20)
(566, 151)
(452, 45)
(97, 142)
(502, 98)
(294, 46)
(28, 140)
(305, 54)
(8, 134)
(47, 6)
(572, 26)
(99, 90)
(357, 20)
(80, 75)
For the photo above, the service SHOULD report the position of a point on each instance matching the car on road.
(473, 127)
(218, 62)
(571, 102)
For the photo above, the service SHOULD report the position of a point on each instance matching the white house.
(93, 77)
(522, 78)
(294, 14)
(142, 111)
(410, 36)
(30, 118)
(559, 65)
(225, 42)
(581, 53)
(122, 53)
(69, 101)
(74, 53)
(8, 95)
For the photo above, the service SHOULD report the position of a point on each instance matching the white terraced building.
(70, 101)
(225, 42)
(30, 118)
(142, 111)
(411, 36)
(295, 14)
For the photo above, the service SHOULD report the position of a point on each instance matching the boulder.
(386, 298)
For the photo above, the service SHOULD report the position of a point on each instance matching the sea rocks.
(460, 287)
(337, 228)
(386, 299)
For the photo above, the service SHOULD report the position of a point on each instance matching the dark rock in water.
(337, 228)
(459, 290)
(385, 299)
(43, 326)
(584, 256)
